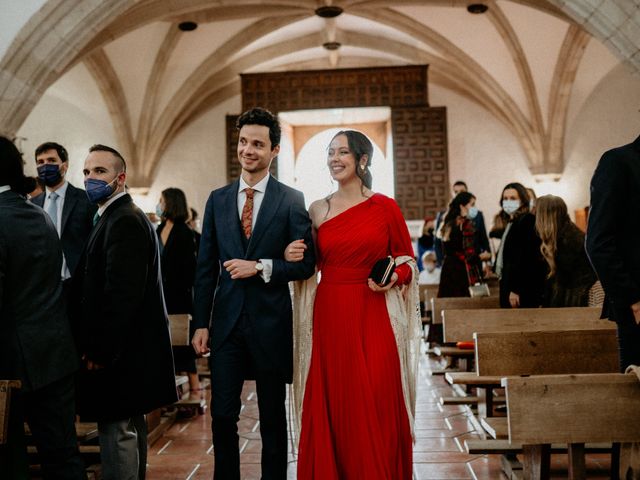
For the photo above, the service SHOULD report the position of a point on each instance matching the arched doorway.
(311, 174)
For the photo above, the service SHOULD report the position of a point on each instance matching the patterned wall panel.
(421, 159)
(233, 167)
(420, 132)
(349, 87)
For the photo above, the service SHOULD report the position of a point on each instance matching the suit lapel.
(231, 219)
(69, 204)
(38, 200)
(103, 220)
(268, 209)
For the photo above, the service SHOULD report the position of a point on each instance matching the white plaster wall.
(15, 13)
(196, 160)
(610, 117)
(482, 152)
(73, 114)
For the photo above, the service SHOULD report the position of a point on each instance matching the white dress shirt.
(61, 192)
(258, 195)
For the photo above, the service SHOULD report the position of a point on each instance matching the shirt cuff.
(267, 270)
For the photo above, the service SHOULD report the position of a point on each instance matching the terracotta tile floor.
(185, 451)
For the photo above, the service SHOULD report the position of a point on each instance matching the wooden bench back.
(426, 291)
(179, 325)
(460, 325)
(546, 353)
(451, 303)
(573, 408)
(5, 406)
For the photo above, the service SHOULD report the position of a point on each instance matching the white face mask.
(472, 212)
(510, 206)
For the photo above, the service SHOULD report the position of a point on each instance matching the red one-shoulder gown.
(354, 420)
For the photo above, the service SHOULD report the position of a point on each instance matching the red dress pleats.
(354, 420)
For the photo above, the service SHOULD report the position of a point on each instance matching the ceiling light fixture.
(329, 11)
(187, 26)
(477, 8)
(332, 45)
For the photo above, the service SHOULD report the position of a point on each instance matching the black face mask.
(49, 173)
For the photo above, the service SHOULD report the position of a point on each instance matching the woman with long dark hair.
(461, 266)
(519, 263)
(357, 387)
(570, 272)
(178, 263)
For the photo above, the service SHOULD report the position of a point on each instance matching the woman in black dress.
(519, 263)
(178, 263)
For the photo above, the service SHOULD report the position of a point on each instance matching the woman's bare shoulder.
(317, 211)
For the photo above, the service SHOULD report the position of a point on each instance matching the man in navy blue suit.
(242, 300)
(69, 208)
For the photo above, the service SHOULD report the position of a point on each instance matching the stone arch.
(64, 32)
(614, 22)
(42, 50)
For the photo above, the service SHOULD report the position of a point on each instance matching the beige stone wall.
(486, 156)
(196, 160)
(482, 151)
(73, 114)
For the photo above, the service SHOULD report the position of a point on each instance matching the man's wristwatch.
(259, 266)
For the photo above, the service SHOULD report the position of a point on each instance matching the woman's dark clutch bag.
(382, 270)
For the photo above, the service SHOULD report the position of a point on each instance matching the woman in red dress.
(356, 411)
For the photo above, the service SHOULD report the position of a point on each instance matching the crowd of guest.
(86, 331)
(539, 260)
(85, 286)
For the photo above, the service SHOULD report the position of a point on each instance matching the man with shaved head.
(119, 320)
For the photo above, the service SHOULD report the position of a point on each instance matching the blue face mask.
(98, 190)
(472, 212)
(50, 174)
(510, 206)
(159, 211)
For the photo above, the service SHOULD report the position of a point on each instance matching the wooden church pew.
(570, 409)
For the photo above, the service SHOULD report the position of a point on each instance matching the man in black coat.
(36, 346)
(120, 321)
(69, 206)
(613, 243)
(242, 295)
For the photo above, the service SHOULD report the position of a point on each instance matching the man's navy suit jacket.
(220, 300)
(77, 223)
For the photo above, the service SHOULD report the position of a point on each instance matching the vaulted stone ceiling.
(519, 60)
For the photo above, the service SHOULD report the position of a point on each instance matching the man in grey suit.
(36, 346)
(69, 207)
(242, 295)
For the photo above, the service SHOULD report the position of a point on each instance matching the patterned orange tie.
(247, 212)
